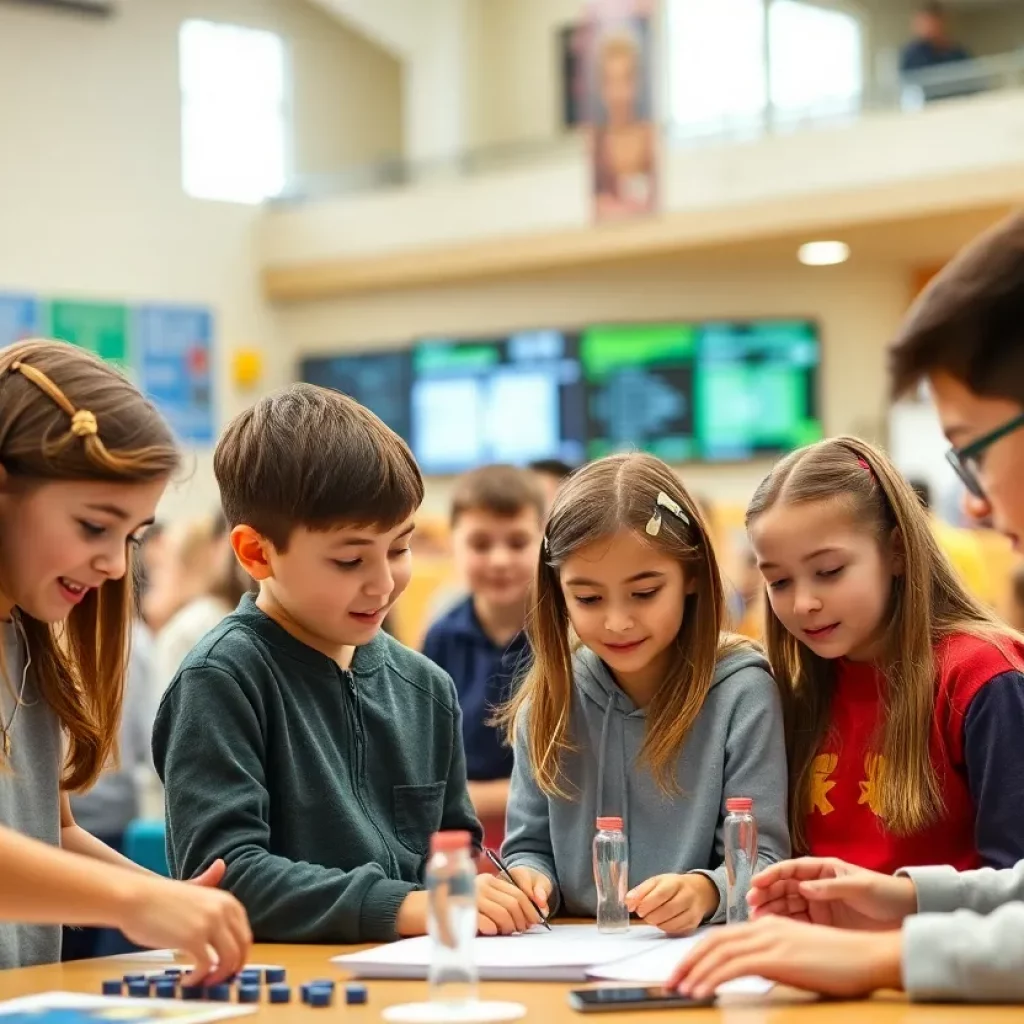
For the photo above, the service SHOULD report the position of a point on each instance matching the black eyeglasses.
(967, 460)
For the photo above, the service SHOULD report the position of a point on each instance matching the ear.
(252, 551)
(899, 553)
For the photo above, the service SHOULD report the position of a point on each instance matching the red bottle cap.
(449, 842)
(739, 804)
(609, 824)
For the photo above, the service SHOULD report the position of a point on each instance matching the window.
(233, 112)
(716, 55)
(817, 64)
(733, 61)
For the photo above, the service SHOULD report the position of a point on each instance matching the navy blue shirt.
(484, 676)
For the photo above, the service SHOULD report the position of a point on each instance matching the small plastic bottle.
(452, 919)
(611, 876)
(740, 829)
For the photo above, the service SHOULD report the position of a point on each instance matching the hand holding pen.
(535, 886)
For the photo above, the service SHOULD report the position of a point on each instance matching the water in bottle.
(611, 876)
(740, 856)
(451, 920)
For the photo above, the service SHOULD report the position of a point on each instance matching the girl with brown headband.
(84, 459)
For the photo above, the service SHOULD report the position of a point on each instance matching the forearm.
(75, 839)
(490, 799)
(40, 884)
(941, 889)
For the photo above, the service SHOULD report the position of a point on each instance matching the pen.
(496, 861)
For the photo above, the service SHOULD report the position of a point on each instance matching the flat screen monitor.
(513, 399)
(379, 380)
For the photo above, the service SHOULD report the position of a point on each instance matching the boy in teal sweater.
(299, 742)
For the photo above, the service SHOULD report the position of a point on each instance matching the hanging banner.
(623, 127)
(20, 318)
(173, 345)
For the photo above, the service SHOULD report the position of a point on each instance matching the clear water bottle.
(452, 919)
(740, 856)
(611, 876)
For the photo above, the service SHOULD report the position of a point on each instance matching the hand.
(832, 892)
(537, 884)
(211, 877)
(676, 904)
(210, 925)
(825, 960)
(503, 909)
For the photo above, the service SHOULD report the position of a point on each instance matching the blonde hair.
(928, 603)
(66, 415)
(615, 493)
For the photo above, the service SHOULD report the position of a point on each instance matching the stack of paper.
(565, 953)
(574, 952)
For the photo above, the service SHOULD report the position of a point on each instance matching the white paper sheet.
(653, 966)
(563, 954)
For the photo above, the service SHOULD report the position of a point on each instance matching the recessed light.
(823, 254)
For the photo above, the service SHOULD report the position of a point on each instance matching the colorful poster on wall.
(624, 131)
(99, 327)
(20, 318)
(174, 361)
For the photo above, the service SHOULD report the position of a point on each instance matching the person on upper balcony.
(933, 46)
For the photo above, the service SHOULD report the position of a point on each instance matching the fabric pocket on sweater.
(418, 812)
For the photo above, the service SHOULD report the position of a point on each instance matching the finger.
(774, 891)
(229, 954)
(706, 946)
(828, 889)
(682, 902)
(484, 925)
(789, 905)
(513, 901)
(635, 896)
(502, 919)
(799, 869)
(211, 877)
(202, 963)
(762, 963)
(743, 942)
(542, 891)
(520, 904)
(657, 897)
(682, 924)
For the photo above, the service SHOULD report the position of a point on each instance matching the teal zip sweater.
(319, 787)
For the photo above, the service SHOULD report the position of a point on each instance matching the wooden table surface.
(545, 1001)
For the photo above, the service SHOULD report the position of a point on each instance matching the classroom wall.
(858, 308)
(90, 198)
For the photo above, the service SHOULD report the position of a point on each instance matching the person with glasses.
(940, 934)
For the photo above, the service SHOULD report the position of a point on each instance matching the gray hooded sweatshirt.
(967, 940)
(736, 748)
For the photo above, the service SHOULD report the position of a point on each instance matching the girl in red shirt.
(904, 696)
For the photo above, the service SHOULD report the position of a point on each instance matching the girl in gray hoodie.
(637, 705)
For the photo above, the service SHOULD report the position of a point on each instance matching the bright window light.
(233, 112)
(823, 254)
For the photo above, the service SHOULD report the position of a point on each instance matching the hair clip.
(864, 464)
(664, 501)
(546, 545)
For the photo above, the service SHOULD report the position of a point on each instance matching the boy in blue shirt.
(302, 744)
(497, 524)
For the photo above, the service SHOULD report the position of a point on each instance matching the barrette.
(663, 501)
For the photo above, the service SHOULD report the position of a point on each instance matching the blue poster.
(19, 318)
(173, 352)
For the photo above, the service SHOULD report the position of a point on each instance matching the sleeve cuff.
(380, 909)
(718, 878)
(939, 889)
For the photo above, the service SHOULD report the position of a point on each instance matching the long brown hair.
(65, 415)
(927, 603)
(614, 493)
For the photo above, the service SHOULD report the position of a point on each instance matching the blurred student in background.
(497, 523)
(551, 474)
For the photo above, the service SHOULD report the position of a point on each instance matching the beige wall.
(858, 307)
(90, 197)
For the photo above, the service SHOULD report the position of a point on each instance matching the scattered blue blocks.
(320, 996)
(191, 992)
(113, 987)
(281, 994)
(129, 978)
(248, 993)
(276, 975)
(219, 993)
(249, 977)
(165, 989)
(138, 989)
(356, 995)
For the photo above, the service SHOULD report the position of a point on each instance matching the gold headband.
(83, 422)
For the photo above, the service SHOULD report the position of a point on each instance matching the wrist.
(412, 915)
(126, 894)
(887, 953)
(710, 897)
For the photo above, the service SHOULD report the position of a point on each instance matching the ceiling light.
(823, 254)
